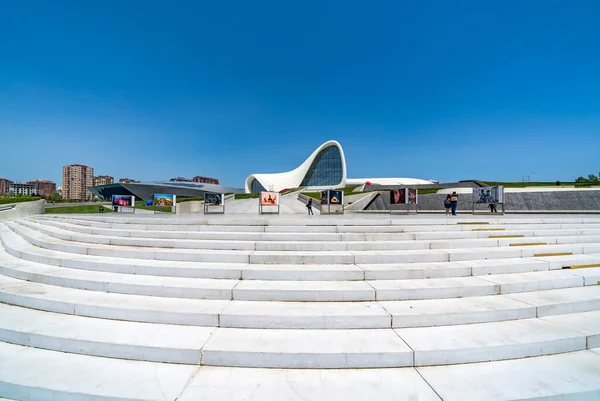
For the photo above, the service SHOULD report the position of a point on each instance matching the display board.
(268, 203)
(164, 200)
(332, 202)
(403, 199)
(214, 203)
(491, 196)
(122, 203)
(488, 194)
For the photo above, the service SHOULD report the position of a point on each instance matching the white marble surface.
(307, 349)
(240, 384)
(32, 374)
(572, 376)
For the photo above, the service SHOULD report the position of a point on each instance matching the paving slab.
(101, 337)
(535, 281)
(571, 376)
(305, 315)
(243, 384)
(482, 342)
(33, 374)
(453, 311)
(306, 349)
(434, 288)
(561, 301)
(586, 323)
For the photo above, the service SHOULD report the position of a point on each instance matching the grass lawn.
(18, 199)
(142, 205)
(77, 209)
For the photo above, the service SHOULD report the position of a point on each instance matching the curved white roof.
(292, 179)
(388, 181)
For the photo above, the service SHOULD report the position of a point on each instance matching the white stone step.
(100, 337)
(305, 315)
(245, 384)
(202, 255)
(406, 271)
(307, 349)
(317, 291)
(435, 288)
(561, 301)
(482, 342)
(591, 276)
(585, 323)
(33, 374)
(572, 376)
(443, 312)
(535, 281)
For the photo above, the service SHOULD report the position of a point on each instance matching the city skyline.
(435, 91)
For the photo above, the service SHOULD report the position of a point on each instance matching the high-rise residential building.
(103, 180)
(126, 180)
(4, 185)
(18, 189)
(206, 180)
(43, 187)
(76, 179)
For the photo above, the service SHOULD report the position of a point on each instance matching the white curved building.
(324, 168)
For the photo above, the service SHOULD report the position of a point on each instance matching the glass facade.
(326, 169)
(256, 187)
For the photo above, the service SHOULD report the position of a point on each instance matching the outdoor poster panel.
(488, 195)
(412, 196)
(335, 197)
(398, 196)
(214, 199)
(269, 198)
(123, 200)
(164, 199)
(324, 197)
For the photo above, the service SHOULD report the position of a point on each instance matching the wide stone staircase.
(287, 308)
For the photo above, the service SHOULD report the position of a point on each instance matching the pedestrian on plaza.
(448, 204)
(101, 209)
(453, 203)
(492, 207)
(309, 206)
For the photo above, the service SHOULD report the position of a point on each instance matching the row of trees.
(590, 179)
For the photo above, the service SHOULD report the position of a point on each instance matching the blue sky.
(443, 90)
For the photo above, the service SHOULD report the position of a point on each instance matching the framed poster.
(325, 197)
(269, 198)
(214, 199)
(164, 199)
(335, 197)
(398, 196)
(488, 195)
(123, 200)
(412, 197)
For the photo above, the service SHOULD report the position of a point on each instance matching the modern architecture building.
(103, 180)
(18, 189)
(76, 178)
(325, 168)
(43, 187)
(146, 190)
(4, 185)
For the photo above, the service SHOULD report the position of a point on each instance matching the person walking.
(447, 204)
(309, 207)
(453, 202)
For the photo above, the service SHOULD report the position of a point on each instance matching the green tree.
(592, 178)
(581, 179)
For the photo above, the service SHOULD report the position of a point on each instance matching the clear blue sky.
(445, 90)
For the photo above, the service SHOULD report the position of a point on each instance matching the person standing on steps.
(448, 204)
(309, 207)
(453, 202)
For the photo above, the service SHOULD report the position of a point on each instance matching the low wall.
(189, 207)
(23, 209)
(561, 201)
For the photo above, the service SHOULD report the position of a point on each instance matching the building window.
(325, 170)
(256, 187)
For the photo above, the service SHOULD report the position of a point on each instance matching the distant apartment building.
(17, 189)
(4, 185)
(75, 181)
(43, 187)
(205, 180)
(127, 180)
(103, 180)
(180, 179)
(198, 178)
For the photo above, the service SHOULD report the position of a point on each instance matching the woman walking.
(309, 207)
(453, 202)
(447, 204)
